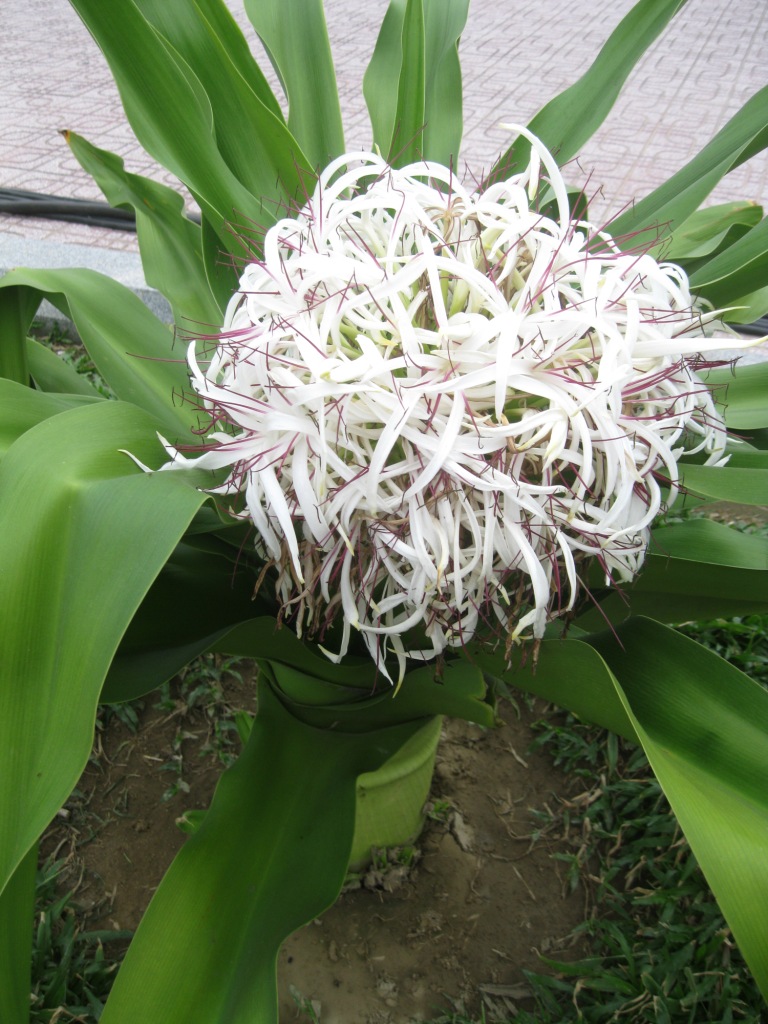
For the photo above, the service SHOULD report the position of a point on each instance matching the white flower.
(438, 404)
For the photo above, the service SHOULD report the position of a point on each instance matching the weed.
(70, 967)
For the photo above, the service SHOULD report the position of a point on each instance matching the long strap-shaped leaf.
(17, 905)
(695, 570)
(198, 596)
(742, 268)
(270, 855)
(744, 480)
(704, 726)
(413, 83)
(54, 375)
(84, 534)
(295, 36)
(22, 408)
(170, 243)
(651, 220)
(742, 389)
(568, 672)
(568, 120)
(132, 350)
(236, 166)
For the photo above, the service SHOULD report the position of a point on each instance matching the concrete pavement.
(515, 56)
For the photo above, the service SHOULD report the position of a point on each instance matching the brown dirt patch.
(451, 930)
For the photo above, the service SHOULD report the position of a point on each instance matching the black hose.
(77, 211)
(759, 328)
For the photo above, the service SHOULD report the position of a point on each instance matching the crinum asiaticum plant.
(423, 429)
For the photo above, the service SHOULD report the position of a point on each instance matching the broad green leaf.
(650, 221)
(400, 73)
(693, 570)
(382, 76)
(84, 534)
(444, 21)
(568, 672)
(270, 855)
(743, 390)
(571, 118)
(17, 907)
(219, 18)
(410, 115)
(169, 242)
(52, 373)
(199, 595)
(704, 726)
(745, 309)
(251, 135)
(354, 692)
(16, 313)
(221, 274)
(262, 635)
(742, 268)
(459, 689)
(710, 229)
(132, 350)
(22, 408)
(745, 485)
(234, 161)
(295, 36)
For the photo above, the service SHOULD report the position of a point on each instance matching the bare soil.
(452, 928)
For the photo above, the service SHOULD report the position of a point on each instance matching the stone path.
(515, 56)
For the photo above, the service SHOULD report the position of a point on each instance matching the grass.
(70, 967)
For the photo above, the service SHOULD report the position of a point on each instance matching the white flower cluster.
(437, 404)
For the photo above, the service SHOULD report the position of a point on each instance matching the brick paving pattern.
(514, 56)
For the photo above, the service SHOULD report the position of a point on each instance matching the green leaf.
(410, 115)
(413, 83)
(649, 222)
(17, 908)
(744, 485)
(22, 408)
(712, 229)
(382, 76)
(572, 117)
(568, 672)
(199, 595)
(16, 313)
(743, 390)
(742, 268)
(444, 21)
(52, 373)
(84, 534)
(354, 695)
(694, 570)
(170, 243)
(295, 36)
(132, 350)
(232, 151)
(704, 726)
(220, 21)
(251, 134)
(270, 855)
(745, 309)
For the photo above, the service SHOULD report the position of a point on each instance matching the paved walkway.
(515, 56)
